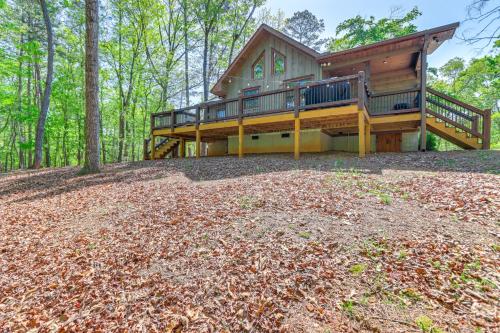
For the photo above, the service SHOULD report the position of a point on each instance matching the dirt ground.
(330, 243)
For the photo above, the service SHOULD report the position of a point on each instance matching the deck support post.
(182, 148)
(423, 84)
(368, 141)
(361, 114)
(153, 140)
(198, 143)
(296, 139)
(486, 129)
(361, 134)
(241, 137)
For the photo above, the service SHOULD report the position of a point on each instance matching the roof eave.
(444, 28)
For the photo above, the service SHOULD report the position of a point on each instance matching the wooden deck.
(339, 105)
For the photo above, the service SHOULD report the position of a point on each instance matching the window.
(258, 68)
(279, 63)
(251, 104)
(255, 137)
(285, 135)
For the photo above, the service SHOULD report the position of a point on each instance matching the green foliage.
(359, 31)
(427, 325)
(142, 46)
(431, 142)
(476, 82)
(349, 307)
(357, 269)
(305, 234)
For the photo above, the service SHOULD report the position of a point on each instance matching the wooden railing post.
(486, 129)
(197, 119)
(361, 90)
(240, 109)
(296, 101)
(172, 120)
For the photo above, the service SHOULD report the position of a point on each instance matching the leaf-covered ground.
(331, 243)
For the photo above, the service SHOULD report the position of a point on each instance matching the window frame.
(274, 52)
(248, 97)
(259, 58)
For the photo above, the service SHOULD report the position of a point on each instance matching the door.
(389, 142)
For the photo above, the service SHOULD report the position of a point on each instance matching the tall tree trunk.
(40, 129)
(91, 86)
(121, 125)
(20, 102)
(186, 53)
(205, 66)
(101, 129)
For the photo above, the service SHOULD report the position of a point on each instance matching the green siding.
(297, 64)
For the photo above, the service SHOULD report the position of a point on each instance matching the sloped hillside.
(331, 243)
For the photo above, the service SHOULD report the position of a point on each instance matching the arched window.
(279, 63)
(258, 68)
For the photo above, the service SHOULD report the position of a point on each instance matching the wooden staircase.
(162, 149)
(462, 124)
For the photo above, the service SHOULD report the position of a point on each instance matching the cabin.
(280, 96)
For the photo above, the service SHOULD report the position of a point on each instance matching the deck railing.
(320, 94)
(394, 102)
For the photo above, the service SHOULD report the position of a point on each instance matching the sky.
(434, 13)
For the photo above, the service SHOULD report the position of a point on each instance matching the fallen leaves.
(259, 244)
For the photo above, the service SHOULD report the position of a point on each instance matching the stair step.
(451, 133)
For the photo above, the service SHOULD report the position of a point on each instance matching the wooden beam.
(182, 148)
(153, 139)
(241, 137)
(338, 111)
(361, 134)
(368, 143)
(296, 139)
(198, 143)
(395, 118)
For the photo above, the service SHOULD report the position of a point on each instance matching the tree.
(40, 130)
(359, 31)
(208, 12)
(241, 14)
(485, 15)
(476, 82)
(306, 29)
(276, 20)
(91, 86)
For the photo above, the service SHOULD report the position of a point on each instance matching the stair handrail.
(456, 101)
(479, 117)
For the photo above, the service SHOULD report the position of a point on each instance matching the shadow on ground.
(31, 185)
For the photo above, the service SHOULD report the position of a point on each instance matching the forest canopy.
(155, 55)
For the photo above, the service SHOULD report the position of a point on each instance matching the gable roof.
(261, 31)
(438, 35)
